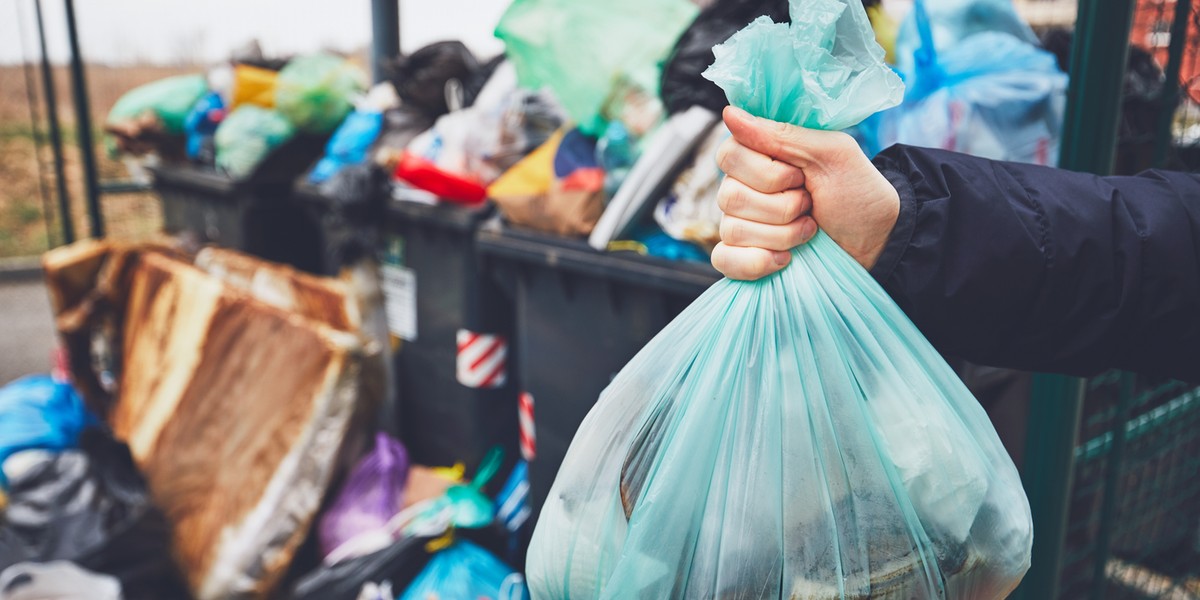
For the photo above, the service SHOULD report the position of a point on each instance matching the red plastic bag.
(425, 175)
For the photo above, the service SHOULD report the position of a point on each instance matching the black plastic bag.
(399, 563)
(91, 507)
(420, 78)
(682, 86)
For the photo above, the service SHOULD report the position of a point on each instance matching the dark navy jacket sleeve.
(1048, 270)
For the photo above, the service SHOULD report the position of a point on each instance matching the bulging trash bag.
(796, 436)
(371, 496)
(465, 571)
(246, 136)
(316, 92)
(39, 412)
(170, 100)
(949, 22)
(91, 507)
(582, 49)
(992, 93)
(682, 85)
(59, 580)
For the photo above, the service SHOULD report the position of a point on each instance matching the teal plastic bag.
(247, 136)
(316, 92)
(171, 99)
(465, 571)
(581, 49)
(796, 436)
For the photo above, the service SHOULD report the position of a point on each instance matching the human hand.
(782, 182)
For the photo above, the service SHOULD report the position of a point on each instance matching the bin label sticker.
(399, 291)
(482, 360)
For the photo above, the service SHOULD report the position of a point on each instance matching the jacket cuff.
(902, 233)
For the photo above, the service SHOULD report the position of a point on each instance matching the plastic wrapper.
(581, 48)
(465, 571)
(689, 212)
(991, 93)
(37, 412)
(247, 136)
(554, 189)
(316, 92)
(796, 436)
(371, 496)
(170, 100)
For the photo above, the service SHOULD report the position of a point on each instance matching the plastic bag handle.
(929, 73)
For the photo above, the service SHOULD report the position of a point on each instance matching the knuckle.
(726, 155)
(792, 206)
(732, 231)
(730, 197)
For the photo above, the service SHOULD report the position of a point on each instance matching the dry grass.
(23, 219)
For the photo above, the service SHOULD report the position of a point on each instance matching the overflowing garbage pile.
(212, 430)
(237, 115)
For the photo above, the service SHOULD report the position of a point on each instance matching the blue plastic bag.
(37, 412)
(201, 123)
(465, 571)
(796, 436)
(981, 87)
(349, 144)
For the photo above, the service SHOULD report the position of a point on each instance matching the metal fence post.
(1098, 57)
(51, 98)
(83, 125)
(385, 41)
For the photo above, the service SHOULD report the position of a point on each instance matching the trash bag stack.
(237, 115)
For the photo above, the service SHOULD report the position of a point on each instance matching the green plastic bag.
(581, 49)
(796, 436)
(171, 99)
(247, 136)
(316, 92)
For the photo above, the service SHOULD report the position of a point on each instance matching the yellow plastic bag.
(254, 85)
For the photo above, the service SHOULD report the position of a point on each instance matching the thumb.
(794, 145)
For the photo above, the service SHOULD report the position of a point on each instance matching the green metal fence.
(1112, 464)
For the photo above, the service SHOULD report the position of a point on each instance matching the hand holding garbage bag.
(796, 436)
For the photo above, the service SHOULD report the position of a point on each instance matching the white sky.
(166, 30)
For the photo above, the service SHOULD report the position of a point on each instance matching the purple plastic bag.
(371, 496)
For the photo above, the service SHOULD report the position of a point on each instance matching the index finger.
(757, 170)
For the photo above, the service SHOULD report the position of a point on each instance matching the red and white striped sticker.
(482, 359)
(528, 436)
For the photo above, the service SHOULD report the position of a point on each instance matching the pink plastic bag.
(371, 496)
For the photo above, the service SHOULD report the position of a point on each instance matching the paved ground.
(26, 328)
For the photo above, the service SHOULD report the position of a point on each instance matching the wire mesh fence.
(1139, 454)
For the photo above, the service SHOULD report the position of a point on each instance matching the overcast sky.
(170, 30)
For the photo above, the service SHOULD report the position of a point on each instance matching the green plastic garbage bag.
(580, 49)
(171, 99)
(247, 136)
(315, 92)
(796, 436)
